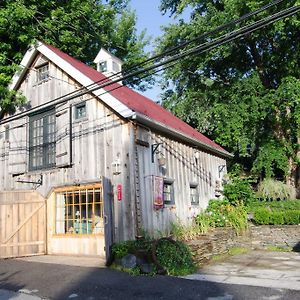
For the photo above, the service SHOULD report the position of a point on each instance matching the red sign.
(119, 192)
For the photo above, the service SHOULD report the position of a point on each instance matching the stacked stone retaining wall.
(220, 240)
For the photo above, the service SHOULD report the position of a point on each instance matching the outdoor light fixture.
(154, 148)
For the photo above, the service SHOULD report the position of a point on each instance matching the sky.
(150, 18)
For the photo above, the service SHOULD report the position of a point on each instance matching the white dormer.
(108, 64)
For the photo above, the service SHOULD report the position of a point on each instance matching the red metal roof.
(138, 102)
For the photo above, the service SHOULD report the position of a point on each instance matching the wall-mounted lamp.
(161, 160)
(221, 169)
(154, 148)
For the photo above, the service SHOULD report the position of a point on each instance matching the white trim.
(105, 96)
(24, 65)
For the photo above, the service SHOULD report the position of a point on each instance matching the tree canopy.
(244, 94)
(77, 27)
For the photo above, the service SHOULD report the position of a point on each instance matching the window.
(194, 194)
(103, 66)
(116, 67)
(168, 192)
(42, 73)
(80, 111)
(42, 141)
(6, 137)
(79, 211)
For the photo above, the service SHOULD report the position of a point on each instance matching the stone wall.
(220, 240)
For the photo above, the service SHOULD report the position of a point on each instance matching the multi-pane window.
(168, 192)
(103, 66)
(80, 111)
(42, 140)
(79, 211)
(194, 194)
(42, 73)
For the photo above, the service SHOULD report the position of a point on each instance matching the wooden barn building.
(82, 167)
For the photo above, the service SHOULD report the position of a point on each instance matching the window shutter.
(63, 138)
(18, 152)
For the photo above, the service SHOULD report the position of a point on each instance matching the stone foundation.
(219, 240)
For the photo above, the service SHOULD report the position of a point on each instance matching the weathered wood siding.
(22, 224)
(185, 165)
(100, 147)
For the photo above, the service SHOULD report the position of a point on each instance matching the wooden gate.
(22, 224)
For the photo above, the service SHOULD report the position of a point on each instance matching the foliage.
(278, 248)
(77, 27)
(200, 225)
(244, 94)
(238, 189)
(270, 188)
(280, 205)
(224, 214)
(266, 216)
(176, 257)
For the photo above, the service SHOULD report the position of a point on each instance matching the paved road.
(36, 280)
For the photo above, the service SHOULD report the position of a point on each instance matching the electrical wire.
(182, 45)
(196, 50)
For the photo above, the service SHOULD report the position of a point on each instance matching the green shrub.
(266, 216)
(121, 249)
(292, 217)
(274, 189)
(238, 189)
(283, 204)
(175, 257)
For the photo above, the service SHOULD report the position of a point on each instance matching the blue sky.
(150, 18)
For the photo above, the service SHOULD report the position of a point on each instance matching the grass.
(279, 248)
(231, 252)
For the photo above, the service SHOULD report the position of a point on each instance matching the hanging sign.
(119, 192)
(158, 188)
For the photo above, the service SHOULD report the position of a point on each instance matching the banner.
(158, 191)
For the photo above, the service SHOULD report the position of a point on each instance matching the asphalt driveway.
(257, 275)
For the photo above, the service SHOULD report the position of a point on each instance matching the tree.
(244, 94)
(78, 27)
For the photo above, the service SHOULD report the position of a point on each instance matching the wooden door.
(108, 218)
(22, 224)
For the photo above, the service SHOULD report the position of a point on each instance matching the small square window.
(80, 111)
(6, 137)
(169, 192)
(42, 73)
(194, 194)
(103, 66)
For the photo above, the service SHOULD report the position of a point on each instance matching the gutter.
(140, 118)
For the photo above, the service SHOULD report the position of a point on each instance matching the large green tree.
(244, 94)
(78, 27)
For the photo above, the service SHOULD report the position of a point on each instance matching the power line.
(195, 50)
(182, 45)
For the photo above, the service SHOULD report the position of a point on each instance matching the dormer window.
(103, 66)
(42, 73)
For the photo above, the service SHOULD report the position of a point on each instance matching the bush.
(266, 216)
(238, 189)
(283, 205)
(174, 257)
(274, 189)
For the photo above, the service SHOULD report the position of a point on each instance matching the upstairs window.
(80, 111)
(169, 191)
(42, 140)
(42, 73)
(103, 66)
